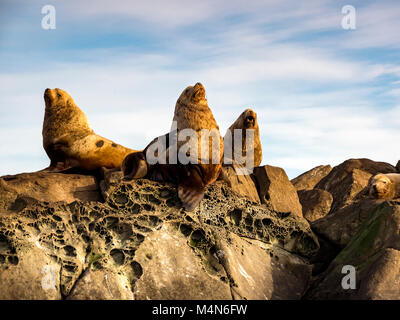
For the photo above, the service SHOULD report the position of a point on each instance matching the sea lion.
(70, 142)
(246, 121)
(385, 186)
(191, 112)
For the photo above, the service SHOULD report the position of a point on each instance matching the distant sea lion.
(70, 142)
(247, 120)
(385, 186)
(191, 112)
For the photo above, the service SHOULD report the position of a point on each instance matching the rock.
(262, 271)
(27, 273)
(316, 203)
(172, 271)
(276, 191)
(340, 227)
(398, 166)
(374, 253)
(241, 184)
(45, 186)
(102, 284)
(349, 180)
(309, 179)
(140, 243)
(381, 279)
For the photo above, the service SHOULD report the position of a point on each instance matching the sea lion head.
(193, 95)
(57, 98)
(381, 187)
(249, 118)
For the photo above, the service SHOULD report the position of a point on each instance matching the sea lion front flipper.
(134, 166)
(191, 190)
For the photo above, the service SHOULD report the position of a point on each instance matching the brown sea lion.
(70, 142)
(246, 121)
(385, 186)
(191, 112)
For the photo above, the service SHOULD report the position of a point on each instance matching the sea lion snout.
(199, 92)
(250, 121)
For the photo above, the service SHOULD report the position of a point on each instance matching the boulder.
(15, 190)
(276, 191)
(309, 179)
(316, 203)
(171, 270)
(263, 271)
(241, 184)
(380, 280)
(139, 243)
(374, 253)
(349, 180)
(27, 273)
(340, 227)
(105, 284)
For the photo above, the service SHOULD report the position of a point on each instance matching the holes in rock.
(2, 259)
(140, 237)
(266, 222)
(197, 237)
(5, 245)
(151, 198)
(57, 218)
(186, 229)
(236, 216)
(124, 230)
(136, 209)
(111, 221)
(70, 268)
(121, 199)
(70, 251)
(118, 256)
(258, 224)
(154, 221)
(13, 260)
(248, 220)
(283, 214)
(148, 207)
(142, 228)
(137, 269)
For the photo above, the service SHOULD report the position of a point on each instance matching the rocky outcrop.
(47, 187)
(76, 236)
(241, 184)
(309, 179)
(316, 203)
(398, 166)
(340, 227)
(138, 243)
(349, 180)
(374, 253)
(276, 191)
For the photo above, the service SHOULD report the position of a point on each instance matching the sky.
(322, 93)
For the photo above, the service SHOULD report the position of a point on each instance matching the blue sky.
(323, 94)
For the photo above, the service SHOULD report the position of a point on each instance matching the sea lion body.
(246, 121)
(69, 140)
(385, 186)
(191, 112)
